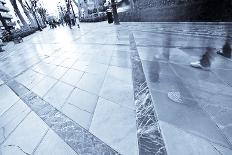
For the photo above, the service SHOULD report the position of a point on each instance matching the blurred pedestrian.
(215, 9)
(68, 19)
(226, 49)
(205, 61)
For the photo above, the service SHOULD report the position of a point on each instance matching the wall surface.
(179, 10)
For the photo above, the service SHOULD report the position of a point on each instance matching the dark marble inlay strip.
(148, 131)
(78, 138)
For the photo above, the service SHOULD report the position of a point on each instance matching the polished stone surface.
(52, 144)
(193, 106)
(101, 91)
(58, 94)
(22, 139)
(149, 134)
(81, 140)
(118, 136)
(8, 94)
(11, 118)
(71, 75)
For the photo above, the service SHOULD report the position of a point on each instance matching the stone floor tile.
(44, 68)
(120, 73)
(52, 144)
(101, 59)
(7, 98)
(183, 143)
(68, 62)
(29, 78)
(187, 116)
(120, 62)
(43, 86)
(83, 100)
(91, 83)
(72, 76)
(81, 65)
(58, 94)
(80, 116)
(116, 126)
(58, 72)
(97, 68)
(26, 136)
(11, 118)
(118, 92)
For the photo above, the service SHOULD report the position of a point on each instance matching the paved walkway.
(106, 89)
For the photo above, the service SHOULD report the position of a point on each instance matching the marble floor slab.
(53, 145)
(8, 94)
(116, 89)
(176, 87)
(23, 140)
(44, 85)
(115, 125)
(72, 77)
(91, 83)
(58, 94)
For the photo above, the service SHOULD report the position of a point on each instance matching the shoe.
(223, 54)
(197, 64)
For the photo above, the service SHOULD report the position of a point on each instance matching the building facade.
(179, 10)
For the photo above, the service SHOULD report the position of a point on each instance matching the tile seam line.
(10, 106)
(57, 81)
(16, 127)
(21, 97)
(33, 65)
(216, 149)
(41, 140)
(98, 95)
(67, 117)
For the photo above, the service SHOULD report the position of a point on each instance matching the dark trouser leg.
(205, 61)
(206, 58)
(226, 50)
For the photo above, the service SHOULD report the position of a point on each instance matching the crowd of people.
(68, 19)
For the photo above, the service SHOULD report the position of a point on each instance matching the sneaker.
(223, 54)
(197, 64)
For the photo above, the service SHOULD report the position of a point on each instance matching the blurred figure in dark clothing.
(205, 61)
(67, 19)
(222, 11)
(226, 49)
